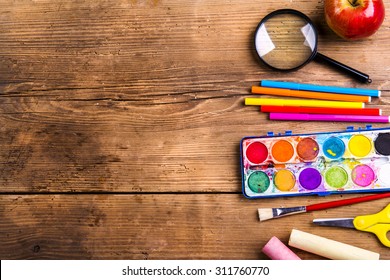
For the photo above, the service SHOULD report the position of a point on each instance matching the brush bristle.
(265, 214)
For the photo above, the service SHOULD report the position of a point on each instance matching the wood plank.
(155, 149)
(204, 226)
(67, 45)
(138, 96)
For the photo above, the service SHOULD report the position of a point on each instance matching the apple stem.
(354, 3)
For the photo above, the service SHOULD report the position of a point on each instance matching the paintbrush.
(272, 213)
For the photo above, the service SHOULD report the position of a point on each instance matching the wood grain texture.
(92, 93)
(145, 99)
(156, 227)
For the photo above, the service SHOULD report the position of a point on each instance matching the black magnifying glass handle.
(362, 77)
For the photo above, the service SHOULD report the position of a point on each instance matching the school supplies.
(318, 110)
(355, 160)
(310, 94)
(272, 213)
(276, 250)
(378, 224)
(329, 248)
(332, 107)
(287, 39)
(328, 118)
(302, 103)
(312, 87)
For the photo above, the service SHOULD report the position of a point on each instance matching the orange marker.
(310, 94)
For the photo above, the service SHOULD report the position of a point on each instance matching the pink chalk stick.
(276, 250)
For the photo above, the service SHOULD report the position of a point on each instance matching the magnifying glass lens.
(286, 41)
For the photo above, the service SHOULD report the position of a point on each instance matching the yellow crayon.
(302, 103)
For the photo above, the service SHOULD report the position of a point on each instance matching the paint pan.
(336, 177)
(316, 163)
(310, 178)
(284, 180)
(307, 149)
(363, 175)
(360, 145)
(257, 152)
(382, 144)
(258, 182)
(282, 151)
(384, 174)
(333, 148)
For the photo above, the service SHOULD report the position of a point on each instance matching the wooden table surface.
(120, 124)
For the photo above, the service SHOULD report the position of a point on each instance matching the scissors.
(378, 224)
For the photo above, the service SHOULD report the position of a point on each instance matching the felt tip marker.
(314, 110)
(310, 94)
(328, 118)
(312, 87)
(302, 103)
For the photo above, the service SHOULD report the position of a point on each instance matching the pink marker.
(276, 250)
(329, 118)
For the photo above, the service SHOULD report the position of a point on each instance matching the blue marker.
(309, 87)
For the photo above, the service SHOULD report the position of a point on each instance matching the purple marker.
(328, 118)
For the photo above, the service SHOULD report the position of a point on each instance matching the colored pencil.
(310, 94)
(328, 118)
(272, 213)
(303, 103)
(314, 110)
(312, 87)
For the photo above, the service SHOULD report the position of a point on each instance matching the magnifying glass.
(286, 40)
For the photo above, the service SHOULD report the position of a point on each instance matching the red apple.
(354, 19)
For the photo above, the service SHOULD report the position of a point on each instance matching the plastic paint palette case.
(318, 163)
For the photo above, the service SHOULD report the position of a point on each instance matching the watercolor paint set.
(354, 160)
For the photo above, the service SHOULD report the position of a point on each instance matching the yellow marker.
(302, 103)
